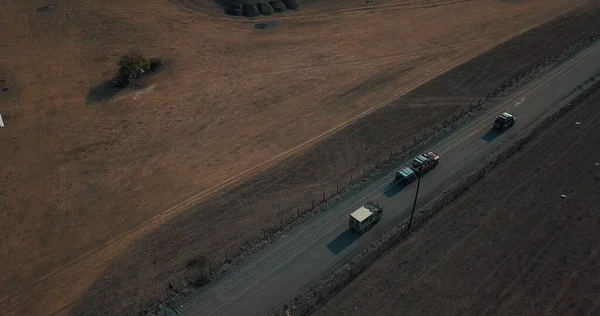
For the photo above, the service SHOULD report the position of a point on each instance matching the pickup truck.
(365, 217)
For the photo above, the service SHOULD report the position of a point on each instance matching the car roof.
(406, 171)
(421, 158)
(361, 214)
(505, 115)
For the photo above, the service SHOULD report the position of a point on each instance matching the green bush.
(131, 66)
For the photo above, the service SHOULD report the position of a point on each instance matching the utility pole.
(415, 203)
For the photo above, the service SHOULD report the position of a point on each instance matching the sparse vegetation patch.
(134, 65)
(131, 66)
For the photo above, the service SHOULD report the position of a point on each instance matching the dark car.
(405, 175)
(423, 163)
(504, 121)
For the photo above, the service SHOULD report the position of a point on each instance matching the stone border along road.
(195, 304)
(327, 287)
(361, 184)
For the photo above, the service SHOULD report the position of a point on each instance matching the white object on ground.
(1, 122)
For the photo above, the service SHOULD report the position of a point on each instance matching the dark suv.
(504, 121)
(405, 175)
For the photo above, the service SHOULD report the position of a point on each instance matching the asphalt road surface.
(324, 242)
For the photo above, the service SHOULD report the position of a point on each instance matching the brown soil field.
(510, 245)
(86, 172)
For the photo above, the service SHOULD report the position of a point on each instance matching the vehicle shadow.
(394, 189)
(490, 135)
(342, 241)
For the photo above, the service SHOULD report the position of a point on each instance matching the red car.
(423, 163)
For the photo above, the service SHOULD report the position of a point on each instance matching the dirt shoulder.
(510, 245)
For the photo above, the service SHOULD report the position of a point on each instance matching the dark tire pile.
(260, 7)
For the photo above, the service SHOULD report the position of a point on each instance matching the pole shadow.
(342, 241)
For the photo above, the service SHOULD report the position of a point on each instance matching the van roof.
(361, 214)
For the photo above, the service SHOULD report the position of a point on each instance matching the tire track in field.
(369, 62)
(386, 8)
(572, 279)
(530, 275)
(595, 309)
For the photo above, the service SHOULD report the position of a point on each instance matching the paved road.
(323, 242)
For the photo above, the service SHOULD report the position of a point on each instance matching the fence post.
(323, 196)
(337, 188)
(313, 204)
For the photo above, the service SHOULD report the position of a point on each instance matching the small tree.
(131, 66)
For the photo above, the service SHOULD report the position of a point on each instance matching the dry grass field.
(508, 246)
(85, 172)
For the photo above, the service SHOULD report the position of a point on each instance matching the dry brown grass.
(84, 173)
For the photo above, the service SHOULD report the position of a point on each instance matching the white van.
(365, 217)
